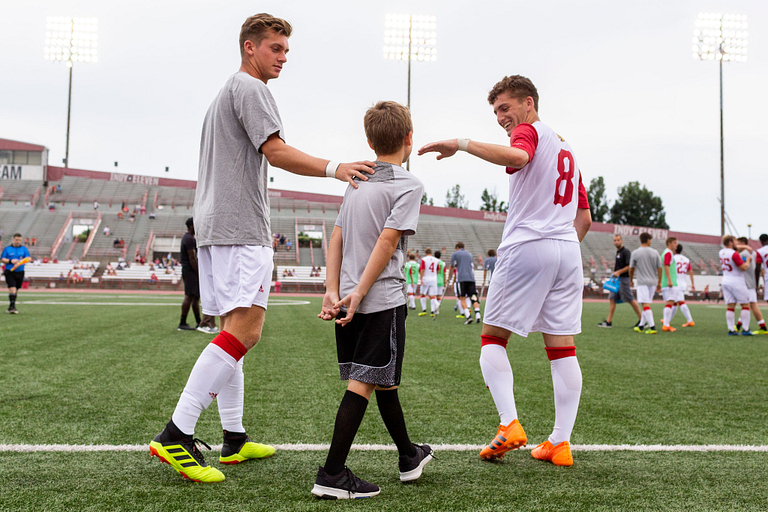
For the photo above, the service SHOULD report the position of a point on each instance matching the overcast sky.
(615, 79)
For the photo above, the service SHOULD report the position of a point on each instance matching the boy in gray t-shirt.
(366, 295)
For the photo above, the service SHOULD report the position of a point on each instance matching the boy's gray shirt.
(749, 274)
(391, 198)
(232, 201)
(646, 261)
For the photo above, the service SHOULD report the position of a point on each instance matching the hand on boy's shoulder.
(347, 172)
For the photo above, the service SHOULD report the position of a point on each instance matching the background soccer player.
(621, 270)
(645, 265)
(669, 283)
(537, 285)
(684, 272)
(411, 271)
(428, 269)
(750, 279)
(464, 264)
(733, 286)
(14, 256)
(242, 133)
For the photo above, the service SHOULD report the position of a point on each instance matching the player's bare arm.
(631, 274)
(332, 276)
(280, 154)
(745, 265)
(582, 222)
(493, 153)
(669, 277)
(658, 286)
(382, 253)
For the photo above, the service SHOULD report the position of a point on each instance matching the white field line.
(387, 447)
(175, 304)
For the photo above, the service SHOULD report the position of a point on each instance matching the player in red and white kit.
(762, 253)
(684, 272)
(734, 287)
(537, 284)
(428, 274)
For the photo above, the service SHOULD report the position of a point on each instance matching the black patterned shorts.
(370, 348)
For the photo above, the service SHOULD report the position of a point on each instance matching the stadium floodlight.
(410, 37)
(721, 37)
(71, 40)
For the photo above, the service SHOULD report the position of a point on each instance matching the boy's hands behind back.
(328, 311)
(351, 301)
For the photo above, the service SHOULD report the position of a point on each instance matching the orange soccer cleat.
(668, 328)
(689, 324)
(559, 455)
(507, 438)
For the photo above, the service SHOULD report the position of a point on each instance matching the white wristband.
(463, 144)
(331, 168)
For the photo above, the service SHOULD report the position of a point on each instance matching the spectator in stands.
(282, 239)
(95, 205)
(120, 215)
(143, 210)
(120, 265)
(26, 240)
(58, 189)
(621, 270)
(55, 260)
(123, 208)
(34, 241)
(142, 259)
(106, 230)
(132, 218)
(45, 259)
(152, 216)
(61, 276)
(153, 278)
(288, 245)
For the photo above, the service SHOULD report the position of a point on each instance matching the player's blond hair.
(728, 240)
(670, 240)
(517, 86)
(257, 27)
(387, 124)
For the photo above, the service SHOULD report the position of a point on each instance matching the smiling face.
(510, 111)
(267, 59)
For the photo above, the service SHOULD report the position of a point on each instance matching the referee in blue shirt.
(11, 256)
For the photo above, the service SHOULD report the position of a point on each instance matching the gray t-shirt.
(391, 198)
(749, 274)
(232, 202)
(646, 262)
(462, 260)
(490, 264)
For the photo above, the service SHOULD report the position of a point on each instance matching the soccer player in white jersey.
(428, 273)
(669, 283)
(242, 133)
(684, 272)
(762, 253)
(537, 284)
(750, 279)
(733, 285)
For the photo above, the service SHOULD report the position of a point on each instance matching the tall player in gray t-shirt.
(751, 280)
(242, 133)
(645, 265)
(365, 293)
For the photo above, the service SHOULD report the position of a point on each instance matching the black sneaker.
(738, 326)
(605, 323)
(343, 486)
(468, 321)
(185, 327)
(411, 467)
(13, 311)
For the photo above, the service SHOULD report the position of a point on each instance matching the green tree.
(491, 202)
(637, 206)
(598, 202)
(425, 199)
(455, 199)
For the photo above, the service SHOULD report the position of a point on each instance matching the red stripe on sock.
(230, 345)
(560, 352)
(492, 340)
(646, 308)
(732, 309)
(667, 306)
(681, 303)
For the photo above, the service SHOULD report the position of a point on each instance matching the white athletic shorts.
(440, 291)
(411, 289)
(680, 296)
(735, 292)
(645, 293)
(668, 293)
(234, 276)
(537, 286)
(752, 294)
(429, 288)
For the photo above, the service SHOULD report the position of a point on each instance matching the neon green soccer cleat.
(238, 448)
(183, 456)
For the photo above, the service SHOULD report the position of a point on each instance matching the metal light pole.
(409, 37)
(722, 38)
(71, 40)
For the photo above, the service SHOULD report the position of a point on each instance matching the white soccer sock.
(433, 305)
(230, 401)
(730, 319)
(648, 315)
(412, 301)
(674, 312)
(566, 380)
(497, 374)
(667, 317)
(686, 312)
(477, 313)
(423, 303)
(745, 318)
(211, 372)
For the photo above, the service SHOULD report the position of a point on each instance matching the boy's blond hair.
(257, 27)
(387, 124)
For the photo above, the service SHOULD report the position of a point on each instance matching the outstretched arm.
(280, 154)
(493, 153)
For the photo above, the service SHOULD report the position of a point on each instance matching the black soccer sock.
(348, 419)
(12, 299)
(183, 320)
(174, 433)
(197, 316)
(392, 414)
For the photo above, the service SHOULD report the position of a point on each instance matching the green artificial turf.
(111, 374)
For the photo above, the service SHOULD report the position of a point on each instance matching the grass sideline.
(111, 374)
